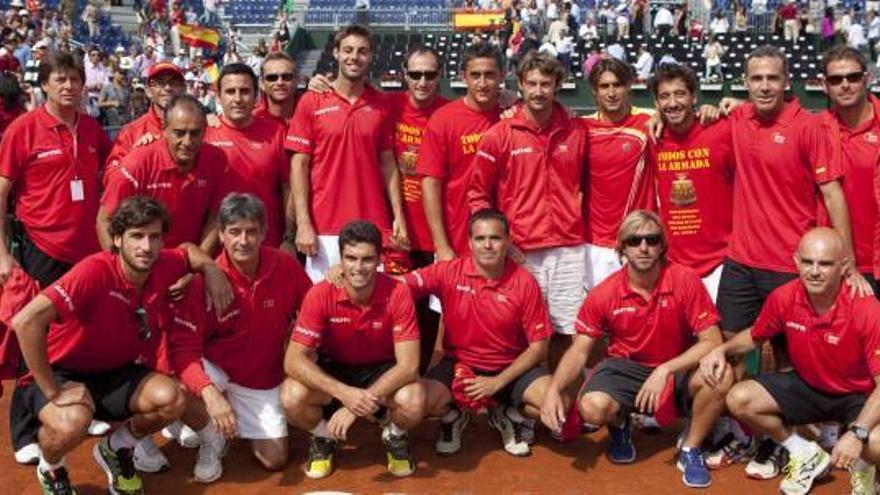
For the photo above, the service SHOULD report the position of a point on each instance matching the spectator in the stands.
(588, 31)
(91, 16)
(680, 20)
(712, 54)
(622, 21)
(828, 29)
(114, 101)
(663, 22)
(873, 33)
(144, 61)
(719, 24)
(12, 100)
(96, 77)
(617, 51)
(644, 64)
(855, 36)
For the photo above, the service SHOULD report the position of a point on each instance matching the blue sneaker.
(691, 463)
(621, 449)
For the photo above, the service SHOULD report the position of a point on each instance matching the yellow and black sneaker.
(321, 452)
(119, 466)
(55, 482)
(400, 460)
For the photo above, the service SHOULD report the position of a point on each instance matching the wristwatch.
(860, 432)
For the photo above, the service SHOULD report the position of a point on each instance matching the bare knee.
(595, 408)
(271, 454)
(739, 398)
(718, 391)
(293, 395)
(68, 422)
(411, 399)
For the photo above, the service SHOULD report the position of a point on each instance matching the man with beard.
(659, 321)
(833, 339)
(343, 164)
(278, 82)
(164, 81)
(254, 149)
(84, 337)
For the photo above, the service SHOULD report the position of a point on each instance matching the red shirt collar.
(470, 270)
(382, 282)
(265, 268)
(786, 117)
(664, 284)
(48, 120)
(842, 303)
(559, 118)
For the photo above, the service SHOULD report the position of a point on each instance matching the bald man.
(833, 341)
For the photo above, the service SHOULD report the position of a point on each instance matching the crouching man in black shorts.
(355, 353)
(660, 321)
(833, 340)
(83, 339)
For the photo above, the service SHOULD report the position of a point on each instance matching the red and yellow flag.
(199, 36)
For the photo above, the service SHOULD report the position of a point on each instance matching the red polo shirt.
(859, 152)
(97, 327)
(778, 167)
(488, 323)
(616, 153)
(447, 152)
(693, 176)
(347, 333)
(648, 331)
(536, 177)
(42, 159)
(344, 141)
(247, 342)
(258, 165)
(409, 128)
(837, 352)
(189, 197)
(261, 109)
(148, 123)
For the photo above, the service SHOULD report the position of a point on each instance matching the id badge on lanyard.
(77, 187)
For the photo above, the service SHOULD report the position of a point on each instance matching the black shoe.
(55, 482)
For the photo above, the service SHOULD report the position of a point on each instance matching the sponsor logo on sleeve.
(64, 296)
(185, 323)
(797, 327)
(310, 334)
(298, 139)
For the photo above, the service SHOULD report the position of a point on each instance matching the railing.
(409, 19)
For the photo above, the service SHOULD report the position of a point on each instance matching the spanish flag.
(210, 68)
(199, 36)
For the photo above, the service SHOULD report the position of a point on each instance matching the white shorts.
(712, 280)
(561, 273)
(328, 255)
(258, 412)
(601, 262)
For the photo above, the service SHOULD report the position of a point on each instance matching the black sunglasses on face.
(636, 240)
(416, 75)
(284, 76)
(144, 332)
(852, 78)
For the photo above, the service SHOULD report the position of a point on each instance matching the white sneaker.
(98, 428)
(449, 441)
(29, 454)
(209, 461)
(148, 458)
(511, 433)
(863, 481)
(182, 434)
(802, 471)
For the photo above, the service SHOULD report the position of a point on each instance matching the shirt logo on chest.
(47, 154)
(562, 148)
(625, 147)
(465, 288)
(222, 144)
(159, 185)
(778, 138)
(871, 138)
(228, 316)
(201, 182)
(624, 309)
(120, 296)
(832, 339)
(501, 298)
(795, 326)
(340, 319)
(269, 303)
(323, 111)
(521, 151)
(376, 325)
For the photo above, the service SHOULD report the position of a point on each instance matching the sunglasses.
(852, 78)
(416, 75)
(284, 76)
(144, 332)
(168, 83)
(636, 240)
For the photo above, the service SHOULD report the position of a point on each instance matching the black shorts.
(802, 404)
(874, 285)
(110, 390)
(622, 379)
(511, 395)
(742, 292)
(360, 376)
(39, 265)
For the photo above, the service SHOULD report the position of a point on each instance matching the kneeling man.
(833, 340)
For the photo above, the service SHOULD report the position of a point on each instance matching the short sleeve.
(485, 172)
(534, 318)
(868, 320)
(222, 179)
(122, 184)
(698, 308)
(300, 134)
(13, 154)
(769, 322)
(188, 329)
(403, 314)
(591, 317)
(816, 147)
(74, 291)
(425, 280)
(311, 322)
(296, 276)
(432, 151)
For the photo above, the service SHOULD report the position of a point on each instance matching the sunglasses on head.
(284, 76)
(636, 240)
(144, 332)
(417, 75)
(852, 78)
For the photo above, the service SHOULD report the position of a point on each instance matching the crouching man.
(354, 353)
(660, 321)
(833, 341)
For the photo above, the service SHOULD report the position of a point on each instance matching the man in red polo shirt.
(50, 160)
(164, 81)
(853, 122)
(533, 167)
(185, 175)
(660, 321)
(240, 397)
(84, 337)
(343, 165)
(254, 149)
(496, 329)
(833, 341)
(355, 353)
(278, 81)
(692, 166)
(449, 145)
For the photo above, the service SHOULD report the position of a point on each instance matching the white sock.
(451, 416)
(797, 445)
(122, 439)
(396, 430)
(210, 434)
(46, 466)
(321, 430)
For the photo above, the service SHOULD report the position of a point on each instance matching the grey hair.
(241, 206)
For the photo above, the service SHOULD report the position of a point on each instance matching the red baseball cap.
(163, 67)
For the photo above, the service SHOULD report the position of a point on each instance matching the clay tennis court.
(481, 467)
